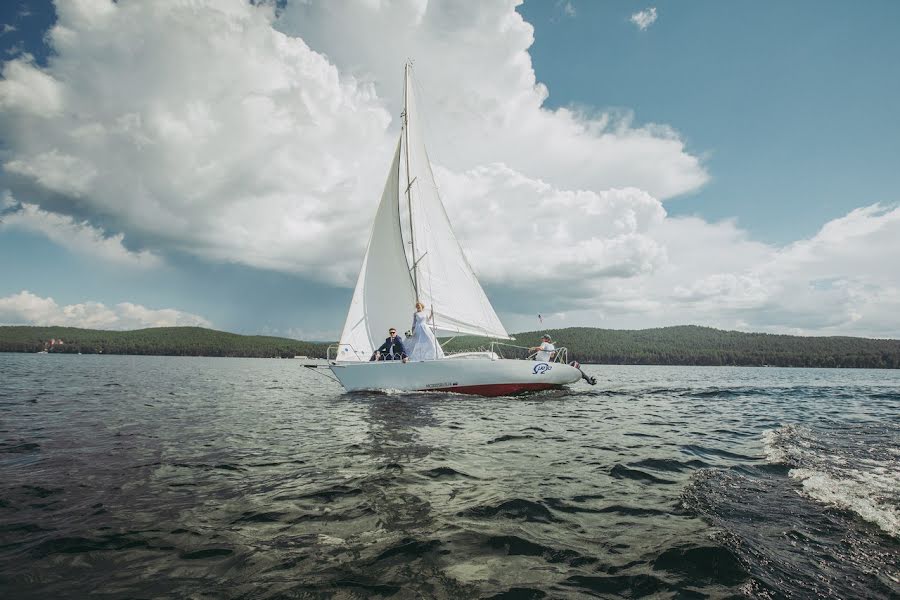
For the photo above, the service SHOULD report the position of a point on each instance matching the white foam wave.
(833, 471)
(788, 445)
(857, 491)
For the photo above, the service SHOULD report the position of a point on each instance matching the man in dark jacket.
(391, 349)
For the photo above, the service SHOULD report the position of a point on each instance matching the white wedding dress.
(422, 344)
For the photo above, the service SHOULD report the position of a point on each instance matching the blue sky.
(794, 104)
(24, 24)
(721, 166)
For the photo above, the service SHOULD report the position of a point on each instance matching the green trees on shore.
(171, 341)
(683, 345)
(693, 345)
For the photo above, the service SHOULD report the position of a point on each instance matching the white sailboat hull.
(482, 377)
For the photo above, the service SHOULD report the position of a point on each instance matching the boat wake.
(850, 468)
(817, 518)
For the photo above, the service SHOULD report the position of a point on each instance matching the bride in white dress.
(422, 344)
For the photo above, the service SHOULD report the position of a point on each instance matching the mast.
(412, 239)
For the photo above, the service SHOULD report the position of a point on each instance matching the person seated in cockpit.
(391, 349)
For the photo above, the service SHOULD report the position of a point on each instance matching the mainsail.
(433, 269)
(384, 290)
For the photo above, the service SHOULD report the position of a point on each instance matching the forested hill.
(683, 345)
(693, 345)
(172, 341)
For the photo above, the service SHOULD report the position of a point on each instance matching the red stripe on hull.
(497, 389)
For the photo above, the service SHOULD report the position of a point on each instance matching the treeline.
(169, 341)
(693, 345)
(683, 345)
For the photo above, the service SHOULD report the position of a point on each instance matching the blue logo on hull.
(541, 368)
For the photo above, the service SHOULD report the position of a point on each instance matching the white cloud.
(218, 129)
(79, 237)
(841, 280)
(238, 137)
(482, 100)
(57, 172)
(616, 258)
(835, 283)
(522, 232)
(28, 90)
(567, 7)
(26, 308)
(221, 137)
(644, 18)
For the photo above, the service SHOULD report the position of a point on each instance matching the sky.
(609, 164)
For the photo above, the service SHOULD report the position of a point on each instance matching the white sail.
(413, 254)
(430, 262)
(445, 280)
(384, 294)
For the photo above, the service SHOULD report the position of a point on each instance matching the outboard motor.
(591, 380)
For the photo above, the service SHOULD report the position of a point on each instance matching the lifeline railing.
(559, 355)
(335, 348)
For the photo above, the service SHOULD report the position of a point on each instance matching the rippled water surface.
(160, 477)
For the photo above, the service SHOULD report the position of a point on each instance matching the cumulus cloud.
(219, 129)
(28, 90)
(482, 99)
(524, 232)
(835, 283)
(26, 308)
(198, 127)
(77, 236)
(839, 281)
(644, 18)
(54, 171)
(615, 258)
(7, 201)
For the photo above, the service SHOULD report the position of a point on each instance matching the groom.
(391, 349)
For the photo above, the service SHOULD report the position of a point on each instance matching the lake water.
(158, 477)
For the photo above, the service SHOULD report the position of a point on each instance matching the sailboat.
(413, 255)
